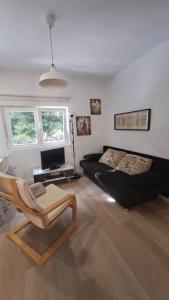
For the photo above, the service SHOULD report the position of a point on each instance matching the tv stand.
(65, 171)
(55, 167)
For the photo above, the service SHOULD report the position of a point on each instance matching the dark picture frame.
(95, 106)
(138, 120)
(83, 125)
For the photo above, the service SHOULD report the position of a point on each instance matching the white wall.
(80, 91)
(145, 84)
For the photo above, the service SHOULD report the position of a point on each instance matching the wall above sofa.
(143, 84)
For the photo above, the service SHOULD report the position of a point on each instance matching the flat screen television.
(52, 159)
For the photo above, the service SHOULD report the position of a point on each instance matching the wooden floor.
(113, 254)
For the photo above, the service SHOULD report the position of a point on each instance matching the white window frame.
(9, 129)
(65, 123)
(38, 126)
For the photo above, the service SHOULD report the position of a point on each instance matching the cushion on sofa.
(134, 164)
(146, 180)
(106, 157)
(112, 157)
(93, 156)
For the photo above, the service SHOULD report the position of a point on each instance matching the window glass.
(23, 127)
(53, 126)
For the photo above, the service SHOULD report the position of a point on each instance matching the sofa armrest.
(93, 156)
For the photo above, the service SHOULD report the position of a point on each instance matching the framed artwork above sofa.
(133, 120)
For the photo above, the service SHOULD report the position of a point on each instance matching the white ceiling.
(91, 37)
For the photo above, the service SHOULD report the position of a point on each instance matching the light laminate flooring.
(112, 255)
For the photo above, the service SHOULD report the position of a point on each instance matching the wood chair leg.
(74, 209)
(24, 246)
(41, 259)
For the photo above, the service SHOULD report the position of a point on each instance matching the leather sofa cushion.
(146, 180)
(94, 166)
(93, 156)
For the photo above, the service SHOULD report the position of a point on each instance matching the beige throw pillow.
(24, 191)
(37, 189)
(112, 157)
(5, 187)
(26, 195)
(107, 155)
(134, 164)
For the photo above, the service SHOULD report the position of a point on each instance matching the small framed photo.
(95, 106)
(83, 125)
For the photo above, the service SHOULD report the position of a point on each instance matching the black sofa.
(128, 190)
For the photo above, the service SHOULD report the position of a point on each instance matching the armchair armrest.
(46, 211)
(93, 156)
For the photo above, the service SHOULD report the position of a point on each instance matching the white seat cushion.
(53, 195)
(55, 212)
(50, 217)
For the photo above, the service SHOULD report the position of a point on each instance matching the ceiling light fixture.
(52, 78)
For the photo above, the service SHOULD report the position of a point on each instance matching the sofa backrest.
(159, 164)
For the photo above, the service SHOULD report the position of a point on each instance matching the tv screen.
(52, 159)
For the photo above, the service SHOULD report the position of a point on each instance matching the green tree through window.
(53, 126)
(23, 127)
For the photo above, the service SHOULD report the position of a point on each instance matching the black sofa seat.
(128, 190)
(92, 167)
(120, 187)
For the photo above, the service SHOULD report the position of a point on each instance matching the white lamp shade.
(52, 79)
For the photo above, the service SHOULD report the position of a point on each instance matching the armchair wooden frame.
(14, 199)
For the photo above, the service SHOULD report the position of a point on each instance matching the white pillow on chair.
(4, 163)
(26, 195)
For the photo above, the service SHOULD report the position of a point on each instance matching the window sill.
(38, 146)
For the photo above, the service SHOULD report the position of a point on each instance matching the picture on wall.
(83, 125)
(133, 120)
(95, 106)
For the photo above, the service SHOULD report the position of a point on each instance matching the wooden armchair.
(43, 211)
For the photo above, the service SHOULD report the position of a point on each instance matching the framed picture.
(83, 125)
(133, 120)
(95, 106)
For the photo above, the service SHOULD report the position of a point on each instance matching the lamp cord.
(51, 44)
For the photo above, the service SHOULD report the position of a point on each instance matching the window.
(36, 126)
(23, 127)
(53, 126)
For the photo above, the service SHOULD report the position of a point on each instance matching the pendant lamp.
(52, 78)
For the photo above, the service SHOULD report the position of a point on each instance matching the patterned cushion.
(134, 164)
(106, 156)
(112, 157)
